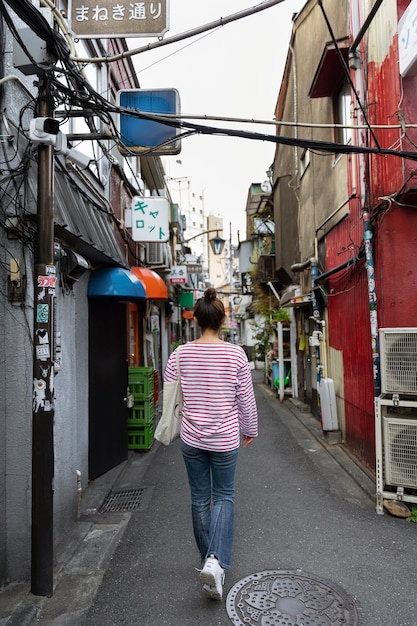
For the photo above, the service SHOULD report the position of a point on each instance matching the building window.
(342, 114)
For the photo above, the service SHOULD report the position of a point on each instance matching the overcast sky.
(233, 71)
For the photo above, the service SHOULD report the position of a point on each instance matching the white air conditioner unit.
(155, 253)
(398, 349)
(400, 451)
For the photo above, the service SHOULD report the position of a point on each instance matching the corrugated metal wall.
(349, 332)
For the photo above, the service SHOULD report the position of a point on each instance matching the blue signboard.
(139, 135)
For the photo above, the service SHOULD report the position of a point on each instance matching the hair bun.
(210, 294)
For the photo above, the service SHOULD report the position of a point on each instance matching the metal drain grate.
(289, 598)
(123, 501)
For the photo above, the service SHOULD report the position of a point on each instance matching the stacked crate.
(141, 415)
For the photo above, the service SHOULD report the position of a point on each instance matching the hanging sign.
(407, 41)
(146, 136)
(124, 18)
(150, 219)
(178, 274)
(247, 283)
(194, 268)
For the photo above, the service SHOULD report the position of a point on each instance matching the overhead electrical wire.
(222, 21)
(55, 42)
(85, 96)
(320, 146)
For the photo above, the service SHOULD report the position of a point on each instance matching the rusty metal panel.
(383, 102)
(349, 332)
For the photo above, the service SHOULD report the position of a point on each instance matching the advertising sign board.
(150, 219)
(124, 18)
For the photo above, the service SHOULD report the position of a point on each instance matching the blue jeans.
(211, 476)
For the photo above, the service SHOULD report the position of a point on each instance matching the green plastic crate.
(139, 373)
(141, 382)
(141, 414)
(140, 438)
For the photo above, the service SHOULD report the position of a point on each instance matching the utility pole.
(43, 366)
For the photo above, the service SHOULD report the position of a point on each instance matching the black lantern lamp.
(217, 244)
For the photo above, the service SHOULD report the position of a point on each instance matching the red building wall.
(390, 199)
(393, 190)
(349, 332)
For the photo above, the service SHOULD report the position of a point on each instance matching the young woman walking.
(218, 405)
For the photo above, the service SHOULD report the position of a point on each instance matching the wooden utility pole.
(43, 367)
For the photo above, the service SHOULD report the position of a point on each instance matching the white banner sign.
(178, 274)
(150, 219)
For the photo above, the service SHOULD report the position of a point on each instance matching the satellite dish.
(266, 186)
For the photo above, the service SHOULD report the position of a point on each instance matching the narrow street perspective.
(304, 511)
(217, 199)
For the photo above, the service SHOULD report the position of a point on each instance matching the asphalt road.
(302, 506)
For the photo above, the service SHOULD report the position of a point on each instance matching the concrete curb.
(358, 472)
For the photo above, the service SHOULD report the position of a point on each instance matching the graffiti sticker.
(46, 281)
(43, 352)
(42, 313)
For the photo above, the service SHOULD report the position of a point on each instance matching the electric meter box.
(37, 48)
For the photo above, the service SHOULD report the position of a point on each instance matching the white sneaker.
(212, 577)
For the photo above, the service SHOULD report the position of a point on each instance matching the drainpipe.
(299, 267)
(340, 267)
(365, 27)
(373, 319)
(314, 277)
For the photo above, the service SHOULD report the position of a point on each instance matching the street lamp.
(217, 244)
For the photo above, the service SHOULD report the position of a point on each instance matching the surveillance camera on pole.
(71, 154)
(77, 157)
(43, 131)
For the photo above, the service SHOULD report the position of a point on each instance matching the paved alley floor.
(298, 509)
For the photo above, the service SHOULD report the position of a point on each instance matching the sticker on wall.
(39, 390)
(46, 281)
(155, 323)
(42, 313)
(43, 352)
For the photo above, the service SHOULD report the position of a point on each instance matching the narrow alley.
(305, 515)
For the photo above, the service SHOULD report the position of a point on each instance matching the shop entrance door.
(107, 386)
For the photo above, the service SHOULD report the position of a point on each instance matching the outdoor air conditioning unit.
(155, 253)
(398, 349)
(400, 451)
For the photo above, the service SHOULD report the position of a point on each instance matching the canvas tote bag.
(168, 428)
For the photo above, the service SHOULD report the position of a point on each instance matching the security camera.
(70, 154)
(61, 144)
(43, 131)
(77, 157)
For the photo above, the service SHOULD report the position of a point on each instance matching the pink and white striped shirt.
(218, 396)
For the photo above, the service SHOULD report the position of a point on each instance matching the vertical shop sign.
(150, 219)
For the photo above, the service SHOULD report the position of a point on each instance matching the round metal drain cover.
(289, 598)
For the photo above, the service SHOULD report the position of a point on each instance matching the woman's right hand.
(247, 440)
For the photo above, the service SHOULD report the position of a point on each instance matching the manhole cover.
(122, 501)
(289, 598)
